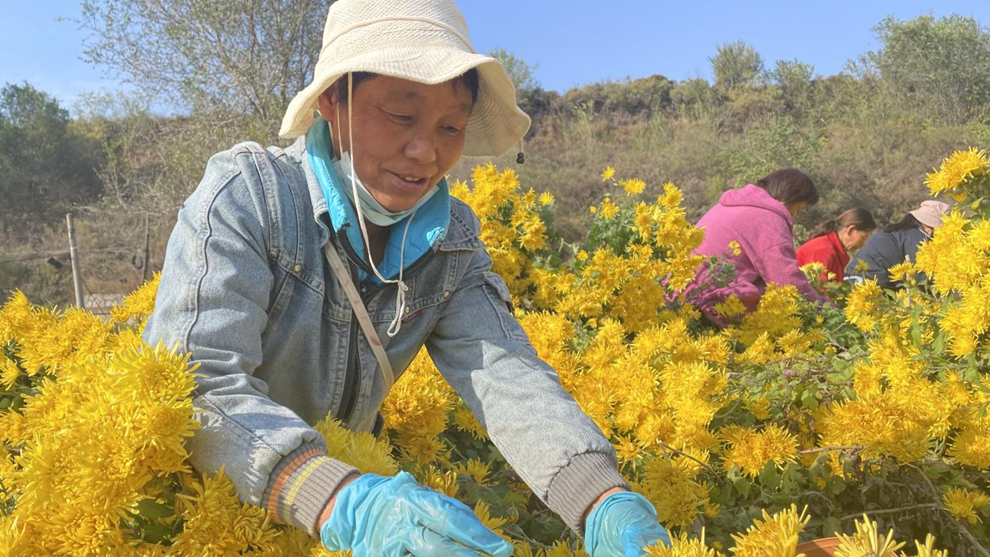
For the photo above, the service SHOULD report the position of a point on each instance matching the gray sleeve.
(212, 302)
(486, 356)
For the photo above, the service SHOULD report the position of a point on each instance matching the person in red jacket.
(833, 240)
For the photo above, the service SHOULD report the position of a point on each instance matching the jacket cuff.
(577, 485)
(301, 485)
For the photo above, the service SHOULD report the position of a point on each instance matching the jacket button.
(446, 294)
(297, 269)
(407, 311)
(273, 254)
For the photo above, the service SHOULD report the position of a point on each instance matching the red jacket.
(827, 250)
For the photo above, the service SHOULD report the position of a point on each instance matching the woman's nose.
(421, 147)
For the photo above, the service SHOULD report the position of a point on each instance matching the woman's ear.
(326, 104)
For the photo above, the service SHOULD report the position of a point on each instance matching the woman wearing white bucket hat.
(897, 243)
(299, 279)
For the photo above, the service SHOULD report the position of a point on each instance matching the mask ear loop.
(400, 294)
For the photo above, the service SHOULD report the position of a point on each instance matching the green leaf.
(835, 486)
(916, 331)
(815, 470)
(936, 470)
(742, 485)
(157, 533)
(769, 476)
(831, 526)
(151, 509)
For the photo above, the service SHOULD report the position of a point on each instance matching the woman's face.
(854, 239)
(407, 135)
(795, 208)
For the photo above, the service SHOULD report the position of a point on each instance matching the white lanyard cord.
(401, 288)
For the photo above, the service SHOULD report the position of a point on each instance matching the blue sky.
(571, 43)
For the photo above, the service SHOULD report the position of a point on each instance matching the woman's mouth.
(409, 182)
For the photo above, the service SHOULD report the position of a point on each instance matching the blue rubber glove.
(379, 516)
(621, 526)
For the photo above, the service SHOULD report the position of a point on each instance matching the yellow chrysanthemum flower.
(213, 517)
(360, 450)
(671, 486)
(443, 481)
(608, 209)
(928, 549)
(493, 523)
(633, 186)
(731, 307)
(963, 503)
(477, 469)
(861, 305)
(867, 542)
(682, 546)
(751, 450)
(774, 536)
(956, 171)
(138, 304)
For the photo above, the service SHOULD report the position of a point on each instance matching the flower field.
(790, 424)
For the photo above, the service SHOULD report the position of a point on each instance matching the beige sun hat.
(425, 41)
(931, 212)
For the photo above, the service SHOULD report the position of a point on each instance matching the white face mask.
(370, 208)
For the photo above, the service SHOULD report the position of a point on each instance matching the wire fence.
(115, 253)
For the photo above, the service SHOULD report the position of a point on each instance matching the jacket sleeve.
(778, 264)
(212, 302)
(483, 352)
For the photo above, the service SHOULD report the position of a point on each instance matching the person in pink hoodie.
(759, 218)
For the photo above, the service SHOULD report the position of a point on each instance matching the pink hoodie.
(763, 228)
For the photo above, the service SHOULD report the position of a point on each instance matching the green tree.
(520, 72)
(942, 65)
(215, 56)
(795, 80)
(45, 165)
(736, 65)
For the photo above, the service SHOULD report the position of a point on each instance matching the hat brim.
(496, 123)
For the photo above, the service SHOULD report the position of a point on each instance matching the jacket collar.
(834, 237)
(428, 228)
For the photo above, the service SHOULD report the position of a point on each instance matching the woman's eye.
(452, 130)
(403, 118)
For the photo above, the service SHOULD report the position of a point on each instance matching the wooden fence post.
(74, 257)
(147, 247)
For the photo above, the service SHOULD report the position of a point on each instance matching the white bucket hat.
(425, 41)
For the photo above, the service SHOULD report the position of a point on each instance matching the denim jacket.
(246, 290)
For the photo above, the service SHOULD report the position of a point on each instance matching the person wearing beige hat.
(897, 243)
(304, 280)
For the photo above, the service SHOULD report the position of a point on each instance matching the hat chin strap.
(400, 293)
